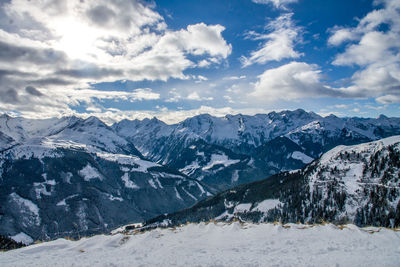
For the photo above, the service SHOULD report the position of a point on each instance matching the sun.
(76, 39)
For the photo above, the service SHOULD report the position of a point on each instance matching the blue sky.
(173, 59)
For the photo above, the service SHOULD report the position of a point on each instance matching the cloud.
(9, 95)
(342, 106)
(292, 81)
(87, 95)
(33, 91)
(196, 97)
(234, 78)
(340, 35)
(279, 44)
(373, 47)
(388, 99)
(280, 4)
(61, 48)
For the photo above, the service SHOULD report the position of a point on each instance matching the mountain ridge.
(357, 184)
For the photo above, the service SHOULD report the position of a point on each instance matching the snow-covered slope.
(358, 184)
(72, 176)
(308, 136)
(91, 134)
(66, 192)
(221, 245)
(241, 133)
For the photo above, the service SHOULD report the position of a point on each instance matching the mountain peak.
(382, 117)
(5, 116)
(92, 120)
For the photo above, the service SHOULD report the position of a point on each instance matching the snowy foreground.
(221, 245)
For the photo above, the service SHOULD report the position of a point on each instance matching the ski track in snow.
(221, 245)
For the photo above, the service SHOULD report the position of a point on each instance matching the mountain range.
(73, 176)
(237, 149)
(357, 184)
(70, 176)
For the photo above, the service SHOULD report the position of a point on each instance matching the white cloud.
(60, 48)
(279, 44)
(174, 96)
(281, 4)
(388, 99)
(291, 81)
(341, 35)
(233, 78)
(202, 39)
(342, 106)
(373, 46)
(196, 97)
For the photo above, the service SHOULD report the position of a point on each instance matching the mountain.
(65, 132)
(264, 144)
(93, 176)
(72, 176)
(357, 184)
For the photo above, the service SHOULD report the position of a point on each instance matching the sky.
(128, 59)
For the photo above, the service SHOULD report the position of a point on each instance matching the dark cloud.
(33, 91)
(8, 96)
(90, 72)
(12, 53)
(101, 15)
(50, 81)
(4, 73)
(56, 7)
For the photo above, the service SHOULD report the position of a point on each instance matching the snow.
(152, 183)
(202, 190)
(191, 168)
(88, 173)
(235, 176)
(138, 164)
(178, 196)
(129, 183)
(347, 164)
(217, 159)
(40, 189)
(302, 157)
(28, 209)
(221, 245)
(190, 195)
(242, 207)
(112, 198)
(22, 238)
(63, 203)
(352, 169)
(267, 205)
(31, 151)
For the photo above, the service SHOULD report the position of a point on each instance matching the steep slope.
(294, 138)
(73, 176)
(64, 132)
(149, 136)
(358, 184)
(186, 151)
(47, 192)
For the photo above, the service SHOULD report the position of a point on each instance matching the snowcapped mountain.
(358, 184)
(91, 134)
(60, 192)
(70, 176)
(93, 177)
(265, 144)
